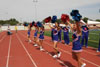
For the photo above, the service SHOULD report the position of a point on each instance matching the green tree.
(11, 21)
(98, 20)
(85, 19)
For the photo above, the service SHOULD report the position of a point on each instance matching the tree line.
(13, 21)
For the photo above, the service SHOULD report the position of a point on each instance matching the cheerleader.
(41, 38)
(66, 35)
(35, 35)
(55, 40)
(76, 48)
(59, 35)
(99, 44)
(52, 34)
(28, 33)
(85, 33)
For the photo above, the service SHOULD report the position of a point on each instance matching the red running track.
(15, 51)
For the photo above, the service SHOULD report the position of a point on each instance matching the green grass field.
(93, 38)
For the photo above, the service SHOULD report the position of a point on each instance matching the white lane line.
(51, 56)
(33, 62)
(8, 52)
(70, 54)
(90, 62)
(2, 38)
(90, 52)
(57, 59)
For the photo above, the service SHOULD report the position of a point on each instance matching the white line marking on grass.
(33, 62)
(8, 52)
(70, 54)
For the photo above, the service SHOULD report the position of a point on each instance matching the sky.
(27, 10)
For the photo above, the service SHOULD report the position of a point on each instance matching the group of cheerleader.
(56, 36)
(37, 40)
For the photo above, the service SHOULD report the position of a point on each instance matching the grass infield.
(93, 40)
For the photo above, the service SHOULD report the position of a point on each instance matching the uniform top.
(85, 29)
(36, 31)
(66, 30)
(52, 29)
(76, 41)
(35, 34)
(55, 31)
(41, 32)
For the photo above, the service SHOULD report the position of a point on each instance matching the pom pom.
(48, 19)
(39, 24)
(64, 17)
(33, 23)
(30, 24)
(25, 24)
(76, 15)
(74, 12)
(54, 18)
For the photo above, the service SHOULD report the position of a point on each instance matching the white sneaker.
(55, 56)
(41, 49)
(59, 54)
(29, 41)
(98, 51)
(83, 65)
(35, 45)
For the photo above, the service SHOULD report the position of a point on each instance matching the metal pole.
(35, 2)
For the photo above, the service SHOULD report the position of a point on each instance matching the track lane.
(18, 56)
(84, 54)
(91, 60)
(87, 61)
(42, 58)
(4, 44)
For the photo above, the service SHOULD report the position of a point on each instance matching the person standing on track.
(41, 38)
(52, 33)
(76, 45)
(35, 35)
(59, 34)
(98, 50)
(66, 35)
(9, 31)
(16, 29)
(55, 40)
(76, 48)
(85, 33)
(28, 33)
